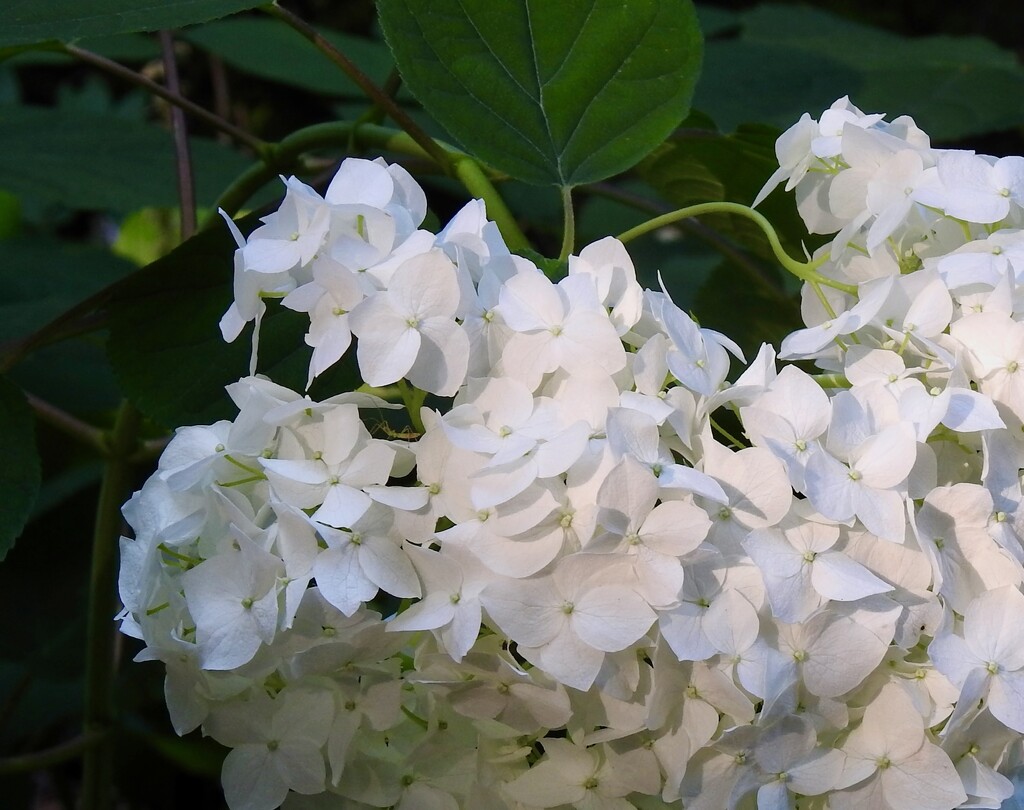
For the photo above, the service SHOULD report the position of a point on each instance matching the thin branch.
(261, 148)
(41, 760)
(376, 113)
(149, 450)
(182, 153)
(375, 94)
(219, 85)
(69, 425)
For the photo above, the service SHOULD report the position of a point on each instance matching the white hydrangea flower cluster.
(593, 601)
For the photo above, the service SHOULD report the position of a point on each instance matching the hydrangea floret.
(565, 585)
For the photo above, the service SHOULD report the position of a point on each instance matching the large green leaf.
(29, 21)
(698, 165)
(85, 160)
(271, 50)
(42, 278)
(19, 473)
(793, 59)
(746, 307)
(166, 347)
(563, 92)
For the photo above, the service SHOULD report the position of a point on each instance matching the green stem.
(707, 235)
(805, 271)
(569, 228)
(832, 381)
(413, 399)
(727, 435)
(479, 185)
(826, 305)
(41, 760)
(99, 661)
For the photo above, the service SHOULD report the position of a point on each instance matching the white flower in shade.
(788, 761)
(801, 569)
(593, 778)
(988, 660)
(276, 746)
(361, 559)
(891, 763)
(566, 621)
(836, 650)
(654, 537)
(788, 420)
(952, 530)
(977, 751)
(233, 600)
(452, 580)
(994, 356)
(864, 468)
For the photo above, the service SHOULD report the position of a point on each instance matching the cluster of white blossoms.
(573, 588)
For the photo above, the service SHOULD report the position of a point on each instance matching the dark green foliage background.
(81, 152)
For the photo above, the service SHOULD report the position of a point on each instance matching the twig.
(182, 153)
(114, 69)
(219, 85)
(40, 760)
(375, 94)
(68, 424)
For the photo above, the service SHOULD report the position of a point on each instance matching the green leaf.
(119, 47)
(91, 161)
(789, 60)
(698, 165)
(29, 21)
(42, 278)
(166, 347)
(749, 313)
(565, 92)
(19, 474)
(271, 50)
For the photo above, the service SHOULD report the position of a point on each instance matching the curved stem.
(805, 271)
(40, 760)
(479, 185)
(99, 661)
(569, 228)
(215, 121)
(706, 234)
